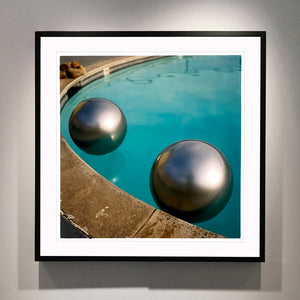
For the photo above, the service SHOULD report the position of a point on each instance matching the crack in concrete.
(143, 226)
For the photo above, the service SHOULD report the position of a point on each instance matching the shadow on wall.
(154, 275)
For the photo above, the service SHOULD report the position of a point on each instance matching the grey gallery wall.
(22, 278)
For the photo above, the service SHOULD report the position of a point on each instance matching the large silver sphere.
(98, 126)
(191, 179)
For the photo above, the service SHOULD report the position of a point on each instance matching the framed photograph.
(150, 146)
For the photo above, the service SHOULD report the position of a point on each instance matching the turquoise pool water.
(164, 101)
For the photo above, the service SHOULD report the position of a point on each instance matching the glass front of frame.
(179, 177)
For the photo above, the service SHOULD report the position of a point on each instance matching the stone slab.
(163, 225)
(96, 206)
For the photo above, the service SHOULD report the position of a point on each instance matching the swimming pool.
(164, 101)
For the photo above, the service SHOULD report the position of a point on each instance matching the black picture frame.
(42, 254)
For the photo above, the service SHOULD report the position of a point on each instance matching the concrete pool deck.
(94, 205)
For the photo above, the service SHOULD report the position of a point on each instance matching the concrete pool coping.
(94, 205)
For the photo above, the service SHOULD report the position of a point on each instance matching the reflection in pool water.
(113, 165)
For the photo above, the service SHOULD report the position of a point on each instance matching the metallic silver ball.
(192, 180)
(97, 126)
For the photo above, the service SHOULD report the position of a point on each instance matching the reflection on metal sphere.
(97, 126)
(192, 180)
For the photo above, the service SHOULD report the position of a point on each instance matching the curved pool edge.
(99, 208)
(102, 70)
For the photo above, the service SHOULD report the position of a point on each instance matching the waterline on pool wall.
(97, 126)
(191, 180)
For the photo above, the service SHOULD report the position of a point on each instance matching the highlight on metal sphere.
(98, 126)
(191, 179)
